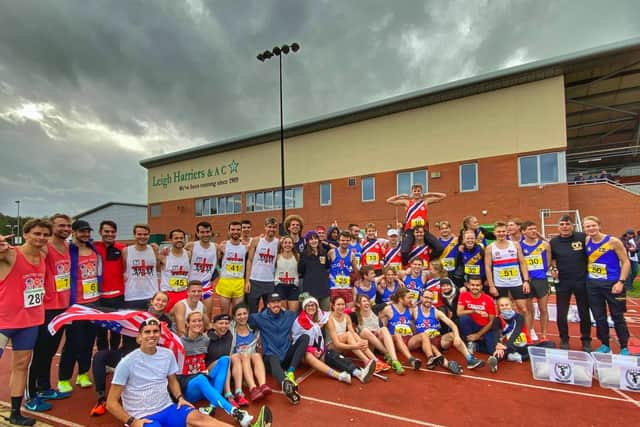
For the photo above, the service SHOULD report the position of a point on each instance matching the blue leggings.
(210, 387)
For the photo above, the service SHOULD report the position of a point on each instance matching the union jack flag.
(126, 322)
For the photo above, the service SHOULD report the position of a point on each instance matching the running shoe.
(291, 391)
(471, 347)
(454, 367)
(242, 417)
(474, 363)
(514, 357)
(434, 361)
(533, 335)
(367, 372)
(21, 420)
(415, 363)
(603, 349)
(207, 410)
(265, 418)
(344, 377)
(52, 394)
(265, 390)
(493, 364)
(233, 402)
(36, 404)
(65, 386)
(397, 366)
(387, 358)
(625, 352)
(255, 394)
(83, 380)
(292, 377)
(381, 366)
(99, 409)
(241, 400)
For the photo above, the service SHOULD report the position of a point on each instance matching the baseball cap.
(392, 232)
(221, 316)
(629, 231)
(274, 297)
(81, 224)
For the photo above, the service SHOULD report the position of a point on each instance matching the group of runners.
(302, 298)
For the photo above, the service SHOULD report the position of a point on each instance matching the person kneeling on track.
(513, 340)
(370, 328)
(397, 318)
(428, 326)
(329, 362)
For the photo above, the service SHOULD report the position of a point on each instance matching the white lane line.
(305, 375)
(46, 416)
(629, 398)
(368, 411)
(538, 387)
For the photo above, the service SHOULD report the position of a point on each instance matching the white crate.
(561, 366)
(619, 372)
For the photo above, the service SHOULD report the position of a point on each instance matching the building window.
(325, 194)
(154, 211)
(405, 180)
(469, 177)
(220, 205)
(272, 199)
(548, 168)
(368, 184)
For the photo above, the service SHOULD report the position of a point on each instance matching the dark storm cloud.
(106, 83)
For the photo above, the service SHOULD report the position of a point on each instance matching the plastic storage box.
(619, 372)
(561, 366)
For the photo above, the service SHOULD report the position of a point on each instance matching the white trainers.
(344, 377)
(533, 335)
(367, 372)
(471, 347)
(242, 417)
(514, 357)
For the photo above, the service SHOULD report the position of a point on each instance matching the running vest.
(142, 278)
(174, 276)
(422, 252)
(415, 286)
(416, 214)
(473, 261)
(393, 258)
(233, 261)
(536, 257)
(187, 310)
(434, 286)
(448, 257)
(112, 284)
(87, 290)
(480, 239)
(505, 266)
(428, 324)
(386, 293)
(603, 262)
(203, 262)
(57, 281)
(400, 323)
(372, 254)
(263, 266)
(340, 271)
(22, 294)
(287, 271)
(371, 293)
(356, 249)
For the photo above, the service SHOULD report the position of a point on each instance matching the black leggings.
(46, 347)
(292, 359)
(337, 361)
(101, 360)
(78, 347)
(105, 339)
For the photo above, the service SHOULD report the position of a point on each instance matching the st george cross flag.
(126, 322)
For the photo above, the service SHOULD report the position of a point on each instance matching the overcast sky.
(88, 88)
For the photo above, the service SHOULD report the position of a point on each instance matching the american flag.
(126, 322)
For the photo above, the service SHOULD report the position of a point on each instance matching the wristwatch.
(129, 421)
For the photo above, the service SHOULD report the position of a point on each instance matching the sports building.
(501, 145)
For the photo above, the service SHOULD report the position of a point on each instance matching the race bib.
(396, 266)
(472, 269)
(521, 340)
(432, 333)
(449, 264)
(417, 222)
(372, 258)
(177, 283)
(90, 288)
(63, 282)
(508, 273)
(597, 271)
(403, 330)
(534, 262)
(343, 281)
(234, 267)
(435, 297)
(33, 297)
(414, 296)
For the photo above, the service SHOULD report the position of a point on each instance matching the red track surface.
(510, 397)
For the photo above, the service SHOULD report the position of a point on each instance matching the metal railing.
(633, 187)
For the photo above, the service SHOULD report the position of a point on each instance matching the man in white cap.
(392, 255)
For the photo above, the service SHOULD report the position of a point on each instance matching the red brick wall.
(499, 194)
(617, 209)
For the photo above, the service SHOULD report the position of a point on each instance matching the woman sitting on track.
(513, 341)
(388, 284)
(328, 361)
(196, 381)
(341, 336)
(246, 362)
(370, 328)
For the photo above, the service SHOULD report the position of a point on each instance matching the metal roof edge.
(106, 205)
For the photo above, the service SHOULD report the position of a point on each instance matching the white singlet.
(142, 278)
(264, 260)
(233, 261)
(506, 267)
(287, 271)
(173, 277)
(203, 262)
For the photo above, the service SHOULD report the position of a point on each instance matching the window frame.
(155, 210)
(561, 170)
(476, 186)
(411, 180)
(290, 196)
(373, 181)
(326, 185)
(213, 202)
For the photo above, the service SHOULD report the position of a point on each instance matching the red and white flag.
(126, 322)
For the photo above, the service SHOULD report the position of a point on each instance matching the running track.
(424, 398)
